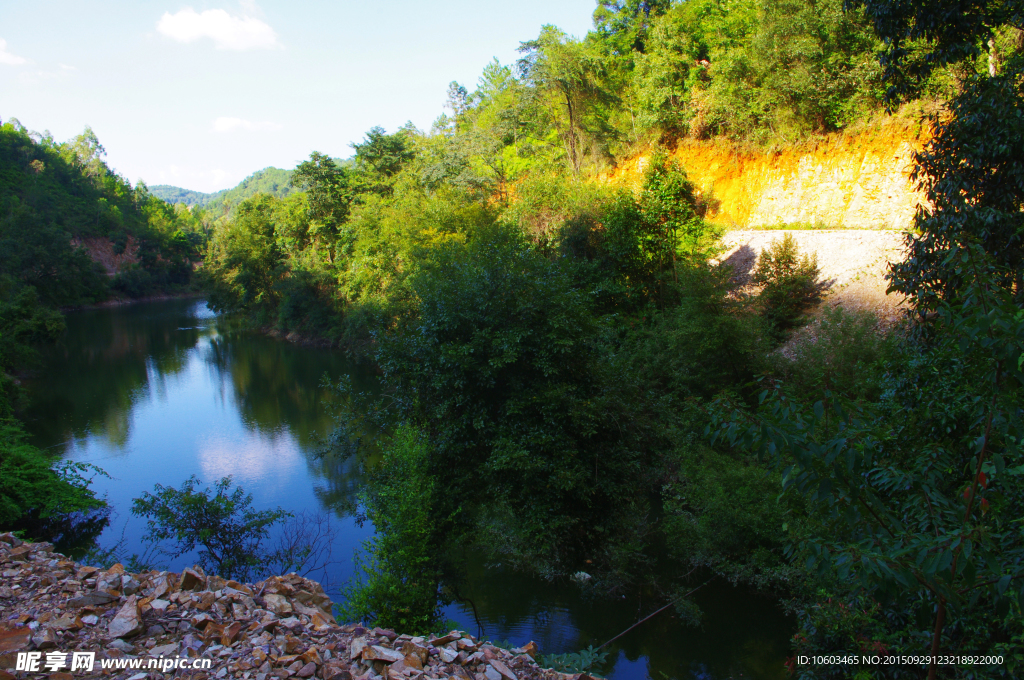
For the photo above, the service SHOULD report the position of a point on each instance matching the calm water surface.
(154, 393)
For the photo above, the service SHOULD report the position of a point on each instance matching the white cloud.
(247, 458)
(226, 124)
(227, 32)
(8, 58)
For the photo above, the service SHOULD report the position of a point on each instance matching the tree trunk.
(573, 152)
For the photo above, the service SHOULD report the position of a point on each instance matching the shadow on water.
(103, 365)
(739, 635)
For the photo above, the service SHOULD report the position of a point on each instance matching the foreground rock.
(278, 628)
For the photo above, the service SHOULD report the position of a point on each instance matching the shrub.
(722, 512)
(789, 283)
(228, 533)
(133, 282)
(37, 493)
(703, 345)
(399, 583)
(844, 354)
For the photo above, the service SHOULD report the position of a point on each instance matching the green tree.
(565, 75)
(952, 32)
(244, 260)
(220, 523)
(919, 494)
(789, 283)
(497, 370)
(973, 178)
(329, 197)
(382, 156)
(399, 587)
(623, 24)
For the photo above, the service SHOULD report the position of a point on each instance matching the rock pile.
(278, 628)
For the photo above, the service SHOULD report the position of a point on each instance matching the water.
(157, 392)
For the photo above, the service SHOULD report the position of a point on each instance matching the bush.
(399, 583)
(134, 282)
(722, 512)
(789, 283)
(228, 533)
(844, 353)
(36, 491)
(705, 344)
(499, 370)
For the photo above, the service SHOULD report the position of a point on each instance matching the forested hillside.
(522, 147)
(172, 195)
(272, 181)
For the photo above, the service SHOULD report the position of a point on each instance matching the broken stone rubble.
(281, 627)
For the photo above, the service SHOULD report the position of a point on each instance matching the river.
(156, 392)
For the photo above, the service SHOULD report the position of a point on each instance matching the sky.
(200, 95)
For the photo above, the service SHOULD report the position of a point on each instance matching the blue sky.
(201, 95)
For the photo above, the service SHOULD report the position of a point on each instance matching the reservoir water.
(156, 392)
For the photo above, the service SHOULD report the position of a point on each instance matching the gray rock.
(164, 650)
(379, 653)
(127, 621)
(91, 600)
(129, 586)
(121, 645)
(502, 669)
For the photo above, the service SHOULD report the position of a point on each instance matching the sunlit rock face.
(858, 180)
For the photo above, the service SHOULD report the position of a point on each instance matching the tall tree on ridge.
(565, 75)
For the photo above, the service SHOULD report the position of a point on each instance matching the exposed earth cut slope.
(854, 180)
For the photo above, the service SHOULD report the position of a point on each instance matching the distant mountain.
(178, 195)
(273, 181)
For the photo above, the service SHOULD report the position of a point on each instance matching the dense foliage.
(398, 584)
(555, 348)
(334, 258)
(916, 490)
(43, 498)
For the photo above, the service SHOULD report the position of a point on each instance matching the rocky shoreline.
(56, 611)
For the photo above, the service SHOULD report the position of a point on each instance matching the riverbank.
(120, 302)
(280, 627)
